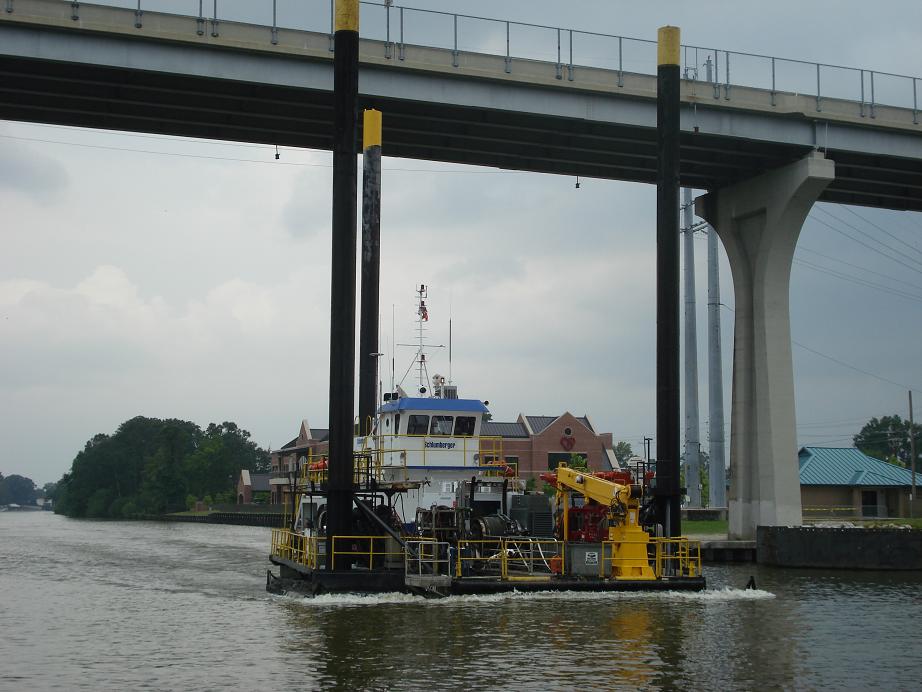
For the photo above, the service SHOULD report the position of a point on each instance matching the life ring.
(567, 442)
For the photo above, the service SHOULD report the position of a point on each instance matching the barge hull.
(297, 578)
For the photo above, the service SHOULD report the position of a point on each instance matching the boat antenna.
(393, 340)
(420, 361)
(422, 314)
(449, 335)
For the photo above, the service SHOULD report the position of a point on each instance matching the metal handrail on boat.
(357, 550)
(296, 547)
(474, 448)
(509, 559)
(426, 558)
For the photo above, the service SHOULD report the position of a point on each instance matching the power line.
(872, 249)
(271, 162)
(859, 267)
(860, 282)
(843, 363)
(883, 230)
(870, 236)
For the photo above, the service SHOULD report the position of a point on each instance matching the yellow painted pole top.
(668, 39)
(347, 15)
(371, 129)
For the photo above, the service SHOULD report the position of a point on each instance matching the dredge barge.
(436, 510)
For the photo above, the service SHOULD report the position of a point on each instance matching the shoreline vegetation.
(152, 467)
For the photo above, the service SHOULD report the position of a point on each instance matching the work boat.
(438, 511)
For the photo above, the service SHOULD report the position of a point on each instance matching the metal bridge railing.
(401, 28)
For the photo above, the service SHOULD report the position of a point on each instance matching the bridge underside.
(98, 96)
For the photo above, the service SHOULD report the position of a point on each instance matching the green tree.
(164, 485)
(623, 451)
(18, 490)
(887, 438)
(578, 461)
(704, 475)
(150, 465)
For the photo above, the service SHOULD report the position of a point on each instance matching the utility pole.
(912, 455)
(718, 471)
(692, 443)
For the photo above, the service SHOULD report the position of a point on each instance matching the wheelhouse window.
(441, 425)
(464, 425)
(397, 424)
(417, 425)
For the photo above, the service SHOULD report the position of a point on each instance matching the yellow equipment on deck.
(630, 558)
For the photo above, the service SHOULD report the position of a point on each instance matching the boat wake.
(724, 595)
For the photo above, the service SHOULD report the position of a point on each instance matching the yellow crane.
(629, 542)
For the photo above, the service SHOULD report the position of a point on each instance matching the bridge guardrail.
(400, 28)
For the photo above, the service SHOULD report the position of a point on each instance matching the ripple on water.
(722, 595)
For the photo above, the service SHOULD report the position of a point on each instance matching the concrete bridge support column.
(759, 221)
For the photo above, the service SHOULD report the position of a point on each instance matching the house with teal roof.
(845, 482)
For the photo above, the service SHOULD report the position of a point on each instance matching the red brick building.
(539, 443)
(290, 457)
(250, 483)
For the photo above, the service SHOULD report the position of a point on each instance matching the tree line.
(20, 490)
(153, 466)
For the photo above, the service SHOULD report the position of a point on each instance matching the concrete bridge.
(764, 155)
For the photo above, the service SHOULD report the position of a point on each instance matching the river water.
(87, 605)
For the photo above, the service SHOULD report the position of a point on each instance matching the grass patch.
(717, 526)
(190, 513)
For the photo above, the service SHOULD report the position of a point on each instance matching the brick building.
(250, 483)
(536, 444)
(288, 458)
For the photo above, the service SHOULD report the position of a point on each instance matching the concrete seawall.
(237, 518)
(839, 548)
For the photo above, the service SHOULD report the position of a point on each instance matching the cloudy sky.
(170, 277)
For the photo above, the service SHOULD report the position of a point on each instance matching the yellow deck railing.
(473, 556)
(511, 559)
(365, 549)
(532, 558)
(678, 557)
(303, 550)
(411, 450)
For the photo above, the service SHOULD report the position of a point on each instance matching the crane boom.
(630, 559)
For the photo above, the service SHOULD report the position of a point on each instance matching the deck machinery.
(586, 532)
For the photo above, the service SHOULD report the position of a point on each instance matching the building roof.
(412, 403)
(539, 423)
(491, 428)
(256, 481)
(260, 481)
(848, 466)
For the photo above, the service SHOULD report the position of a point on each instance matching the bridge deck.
(101, 71)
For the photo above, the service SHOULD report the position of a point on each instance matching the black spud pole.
(342, 296)
(371, 268)
(667, 281)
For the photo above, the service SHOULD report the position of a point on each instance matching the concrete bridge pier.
(759, 221)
